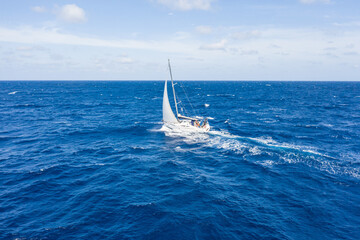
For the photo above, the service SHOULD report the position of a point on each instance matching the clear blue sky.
(205, 39)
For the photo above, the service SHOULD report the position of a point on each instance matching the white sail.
(168, 115)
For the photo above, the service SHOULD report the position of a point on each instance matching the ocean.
(92, 160)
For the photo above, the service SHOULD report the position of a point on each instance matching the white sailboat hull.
(187, 127)
(179, 122)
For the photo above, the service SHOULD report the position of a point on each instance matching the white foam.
(268, 141)
(225, 95)
(138, 148)
(12, 93)
(162, 129)
(227, 144)
(254, 151)
(327, 125)
(265, 140)
(179, 149)
(188, 135)
(223, 134)
(206, 105)
(245, 146)
(266, 163)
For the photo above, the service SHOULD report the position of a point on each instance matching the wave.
(264, 147)
(26, 105)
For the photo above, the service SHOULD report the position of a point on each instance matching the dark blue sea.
(91, 160)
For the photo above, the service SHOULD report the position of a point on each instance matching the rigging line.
(172, 84)
(181, 104)
(183, 109)
(187, 98)
(176, 97)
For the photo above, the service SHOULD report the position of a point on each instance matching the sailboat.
(180, 121)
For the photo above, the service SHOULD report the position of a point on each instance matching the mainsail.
(178, 119)
(168, 115)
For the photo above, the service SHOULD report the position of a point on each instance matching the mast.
(172, 84)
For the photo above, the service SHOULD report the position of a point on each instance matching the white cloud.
(71, 13)
(347, 24)
(215, 46)
(39, 9)
(186, 5)
(125, 60)
(31, 48)
(56, 57)
(24, 48)
(248, 52)
(30, 35)
(273, 49)
(351, 53)
(315, 1)
(204, 29)
(246, 35)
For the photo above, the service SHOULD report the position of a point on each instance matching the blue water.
(91, 160)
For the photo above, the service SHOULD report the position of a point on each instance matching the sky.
(205, 40)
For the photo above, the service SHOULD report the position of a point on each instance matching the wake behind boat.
(180, 121)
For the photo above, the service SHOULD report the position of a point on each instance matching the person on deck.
(204, 123)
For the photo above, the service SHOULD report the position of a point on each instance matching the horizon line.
(158, 80)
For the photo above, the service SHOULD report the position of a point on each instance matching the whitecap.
(255, 151)
(179, 149)
(227, 144)
(206, 105)
(137, 148)
(12, 93)
(223, 134)
(264, 140)
(266, 163)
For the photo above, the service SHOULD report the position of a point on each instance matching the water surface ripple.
(91, 160)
